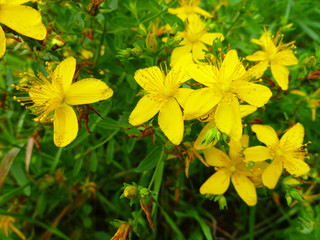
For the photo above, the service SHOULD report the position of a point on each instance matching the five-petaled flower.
(277, 57)
(22, 19)
(195, 38)
(232, 167)
(52, 96)
(286, 153)
(188, 8)
(225, 85)
(164, 96)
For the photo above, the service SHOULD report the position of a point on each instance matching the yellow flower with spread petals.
(22, 19)
(231, 167)
(286, 153)
(51, 98)
(193, 46)
(188, 8)
(277, 57)
(225, 85)
(164, 96)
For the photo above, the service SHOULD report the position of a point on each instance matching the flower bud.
(142, 30)
(222, 201)
(131, 192)
(210, 135)
(291, 182)
(310, 61)
(151, 42)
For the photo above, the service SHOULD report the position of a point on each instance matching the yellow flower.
(51, 98)
(193, 47)
(225, 85)
(7, 225)
(245, 110)
(286, 153)
(164, 96)
(231, 167)
(22, 19)
(277, 57)
(188, 8)
(313, 100)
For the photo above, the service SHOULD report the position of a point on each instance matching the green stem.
(252, 219)
(155, 171)
(233, 23)
(56, 160)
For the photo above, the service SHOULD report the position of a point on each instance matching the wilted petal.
(217, 184)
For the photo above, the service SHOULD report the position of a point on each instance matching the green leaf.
(151, 160)
(20, 177)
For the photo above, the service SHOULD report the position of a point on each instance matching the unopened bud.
(144, 192)
(151, 42)
(124, 53)
(310, 61)
(291, 182)
(210, 135)
(142, 30)
(131, 192)
(222, 201)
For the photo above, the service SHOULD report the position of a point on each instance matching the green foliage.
(75, 192)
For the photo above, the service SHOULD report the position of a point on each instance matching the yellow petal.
(65, 125)
(228, 117)
(198, 51)
(217, 184)
(265, 134)
(272, 173)
(231, 68)
(86, 91)
(257, 153)
(184, 61)
(258, 70)
(147, 107)
(266, 42)
(254, 94)
(205, 74)
(23, 19)
(208, 38)
(150, 79)
(175, 77)
(200, 102)
(246, 110)
(171, 121)
(281, 75)
(202, 12)
(293, 138)
(295, 166)
(257, 56)
(245, 188)
(64, 72)
(182, 95)
(2, 43)
(180, 12)
(217, 158)
(179, 53)
(14, 2)
(286, 58)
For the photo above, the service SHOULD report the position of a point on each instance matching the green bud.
(144, 192)
(142, 30)
(222, 201)
(174, 41)
(209, 136)
(136, 52)
(310, 61)
(288, 198)
(291, 182)
(151, 42)
(131, 192)
(124, 53)
(294, 193)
